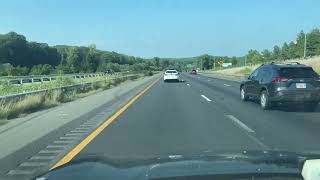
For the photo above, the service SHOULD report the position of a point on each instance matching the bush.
(41, 69)
(148, 73)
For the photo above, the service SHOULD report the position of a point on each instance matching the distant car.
(194, 72)
(282, 83)
(171, 75)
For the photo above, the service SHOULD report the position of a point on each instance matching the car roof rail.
(286, 63)
(293, 63)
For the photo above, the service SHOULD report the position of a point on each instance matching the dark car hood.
(101, 166)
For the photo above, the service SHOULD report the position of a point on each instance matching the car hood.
(101, 166)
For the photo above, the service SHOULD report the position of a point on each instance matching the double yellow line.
(97, 131)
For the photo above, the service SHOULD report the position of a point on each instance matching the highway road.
(201, 114)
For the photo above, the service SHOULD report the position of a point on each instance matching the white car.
(171, 75)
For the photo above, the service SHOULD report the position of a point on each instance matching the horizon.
(165, 29)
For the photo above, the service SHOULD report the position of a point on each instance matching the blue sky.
(164, 28)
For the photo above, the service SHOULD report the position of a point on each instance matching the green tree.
(285, 52)
(266, 55)
(300, 44)
(156, 62)
(72, 59)
(234, 61)
(41, 69)
(165, 64)
(254, 57)
(313, 42)
(276, 54)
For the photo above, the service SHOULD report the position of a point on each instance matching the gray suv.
(273, 83)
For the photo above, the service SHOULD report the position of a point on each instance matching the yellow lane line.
(96, 132)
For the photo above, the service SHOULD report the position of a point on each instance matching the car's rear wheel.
(264, 101)
(243, 94)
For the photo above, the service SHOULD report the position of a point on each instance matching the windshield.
(159, 80)
(298, 73)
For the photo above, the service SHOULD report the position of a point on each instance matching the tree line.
(20, 57)
(288, 50)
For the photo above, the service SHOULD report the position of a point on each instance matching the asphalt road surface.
(199, 115)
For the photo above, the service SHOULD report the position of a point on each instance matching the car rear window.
(171, 71)
(305, 72)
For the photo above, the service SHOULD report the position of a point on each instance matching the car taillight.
(279, 79)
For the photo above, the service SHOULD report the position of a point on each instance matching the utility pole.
(214, 63)
(305, 46)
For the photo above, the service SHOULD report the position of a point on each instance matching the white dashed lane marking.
(250, 132)
(240, 124)
(207, 99)
(227, 85)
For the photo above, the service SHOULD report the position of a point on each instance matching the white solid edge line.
(205, 97)
(226, 84)
(241, 124)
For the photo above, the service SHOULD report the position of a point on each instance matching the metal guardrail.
(22, 80)
(19, 96)
(51, 75)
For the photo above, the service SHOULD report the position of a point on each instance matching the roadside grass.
(13, 109)
(244, 71)
(3, 122)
